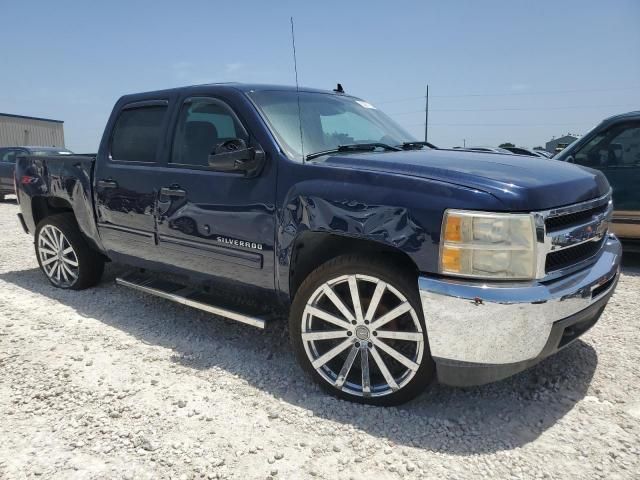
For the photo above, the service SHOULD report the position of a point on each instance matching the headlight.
(488, 245)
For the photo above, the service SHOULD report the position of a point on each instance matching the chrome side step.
(186, 296)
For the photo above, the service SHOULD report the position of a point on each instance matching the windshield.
(51, 151)
(566, 151)
(328, 121)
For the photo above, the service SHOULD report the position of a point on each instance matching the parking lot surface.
(111, 383)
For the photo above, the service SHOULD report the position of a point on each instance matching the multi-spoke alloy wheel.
(64, 255)
(362, 335)
(57, 257)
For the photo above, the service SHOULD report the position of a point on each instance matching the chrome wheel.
(362, 335)
(58, 259)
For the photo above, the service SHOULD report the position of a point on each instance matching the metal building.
(18, 130)
(554, 144)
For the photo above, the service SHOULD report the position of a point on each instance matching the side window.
(618, 146)
(616, 152)
(136, 134)
(8, 156)
(625, 148)
(203, 124)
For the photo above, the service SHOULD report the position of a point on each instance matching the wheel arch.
(42, 207)
(313, 248)
(45, 206)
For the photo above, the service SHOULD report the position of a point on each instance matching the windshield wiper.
(354, 147)
(416, 145)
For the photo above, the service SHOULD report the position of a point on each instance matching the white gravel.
(110, 383)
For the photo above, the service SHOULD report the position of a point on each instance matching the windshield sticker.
(365, 104)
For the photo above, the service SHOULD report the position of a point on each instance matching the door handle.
(172, 192)
(107, 184)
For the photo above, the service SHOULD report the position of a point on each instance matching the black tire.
(365, 267)
(90, 264)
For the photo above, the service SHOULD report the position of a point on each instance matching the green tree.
(505, 145)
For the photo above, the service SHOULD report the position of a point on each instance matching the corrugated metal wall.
(16, 131)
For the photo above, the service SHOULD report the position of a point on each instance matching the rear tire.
(64, 255)
(353, 307)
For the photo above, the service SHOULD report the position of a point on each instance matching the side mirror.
(234, 156)
(570, 159)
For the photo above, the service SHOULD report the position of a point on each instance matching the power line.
(511, 94)
(506, 109)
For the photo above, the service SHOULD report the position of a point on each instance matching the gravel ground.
(110, 383)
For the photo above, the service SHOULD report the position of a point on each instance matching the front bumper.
(484, 331)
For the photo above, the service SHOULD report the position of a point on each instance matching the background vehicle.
(390, 258)
(559, 148)
(544, 153)
(613, 147)
(525, 151)
(8, 160)
(485, 149)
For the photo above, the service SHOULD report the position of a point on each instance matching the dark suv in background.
(613, 147)
(8, 157)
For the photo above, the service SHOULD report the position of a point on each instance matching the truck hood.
(521, 183)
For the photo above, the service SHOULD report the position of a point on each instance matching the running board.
(185, 296)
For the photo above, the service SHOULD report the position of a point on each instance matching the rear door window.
(137, 133)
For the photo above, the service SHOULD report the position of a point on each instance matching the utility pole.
(426, 116)
(464, 143)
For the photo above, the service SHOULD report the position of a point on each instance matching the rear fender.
(61, 185)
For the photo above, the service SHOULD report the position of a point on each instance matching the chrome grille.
(571, 219)
(570, 256)
(568, 238)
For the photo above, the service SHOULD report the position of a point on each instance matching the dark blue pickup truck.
(397, 262)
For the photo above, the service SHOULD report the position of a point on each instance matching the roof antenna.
(339, 89)
(295, 68)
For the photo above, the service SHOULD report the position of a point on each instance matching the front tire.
(357, 328)
(64, 255)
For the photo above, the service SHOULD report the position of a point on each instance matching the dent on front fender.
(388, 225)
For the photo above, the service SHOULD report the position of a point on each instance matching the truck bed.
(57, 182)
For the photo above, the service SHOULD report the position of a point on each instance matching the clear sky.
(519, 71)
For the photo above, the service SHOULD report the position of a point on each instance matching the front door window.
(616, 152)
(204, 123)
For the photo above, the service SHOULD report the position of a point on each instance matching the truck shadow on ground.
(491, 418)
